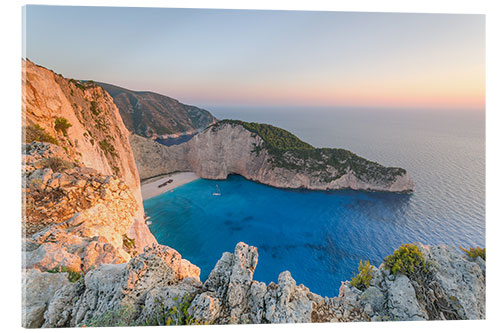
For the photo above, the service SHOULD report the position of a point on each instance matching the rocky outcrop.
(94, 137)
(39, 288)
(76, 218)
(132, 290)
(158, 287)
(153, 115)
(230, 148)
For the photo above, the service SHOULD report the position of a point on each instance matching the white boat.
(217, 192)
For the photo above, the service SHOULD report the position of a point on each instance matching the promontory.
(268, 155)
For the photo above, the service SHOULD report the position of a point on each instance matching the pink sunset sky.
(273, 58)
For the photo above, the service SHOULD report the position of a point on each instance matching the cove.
(320, 237)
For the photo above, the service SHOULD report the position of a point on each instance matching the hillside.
(153, 115)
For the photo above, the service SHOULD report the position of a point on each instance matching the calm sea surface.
(321, 236)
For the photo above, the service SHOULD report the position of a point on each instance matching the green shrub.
(37, 133)
(475, 252)
(78, 84)
(177, 315)
(62, 124)
(362, 280)
(107, 147)
(129, 245)
(57, 164)
(127, 315)
(93, 107)
(73, 276)
(407, 259)
(123, 316)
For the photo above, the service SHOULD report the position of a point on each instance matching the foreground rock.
(123, 289)
(75, 217)
(232, 147)
(76, 220)
(158, 287)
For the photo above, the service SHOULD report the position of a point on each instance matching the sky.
(209, 57)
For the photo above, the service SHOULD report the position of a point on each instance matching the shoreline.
(150, 189)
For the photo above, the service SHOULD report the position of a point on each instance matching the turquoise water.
(321, 236)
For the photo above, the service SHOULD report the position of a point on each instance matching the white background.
(10, 177)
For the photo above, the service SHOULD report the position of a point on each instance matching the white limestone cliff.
(229, 148)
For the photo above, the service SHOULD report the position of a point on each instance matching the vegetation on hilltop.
(274, 137)
(289, 152)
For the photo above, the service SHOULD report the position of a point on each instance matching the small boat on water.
(217, 192)
(148, 220)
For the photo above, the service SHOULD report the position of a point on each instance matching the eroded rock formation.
(158, 287)
(229, 147)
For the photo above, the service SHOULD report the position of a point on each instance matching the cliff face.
(153, 159)
(153, 115)
(160, 288)
(230, 147)
(82, 120)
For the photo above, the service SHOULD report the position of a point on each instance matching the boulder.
(38, 290)
(462, 280)
(402, 301)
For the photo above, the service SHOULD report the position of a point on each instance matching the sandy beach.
(149, 188)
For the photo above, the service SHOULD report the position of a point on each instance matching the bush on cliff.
(127, 315)
(362, 280)
(73, 276)
(177, 315)
(57, 164)
(123, 316)
(107, 147)
(37, 133)
(407, 259)
(93, 107)
(129, 245)
(475, 252)
(62, 124)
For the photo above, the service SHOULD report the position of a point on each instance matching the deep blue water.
(321, 236)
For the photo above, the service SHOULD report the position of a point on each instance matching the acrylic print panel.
(195, 166)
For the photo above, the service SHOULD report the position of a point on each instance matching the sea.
(320, 237)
